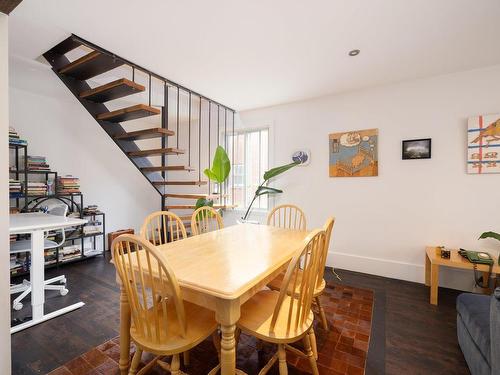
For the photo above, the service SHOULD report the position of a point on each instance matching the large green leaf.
(262, 190)
(202, 202)
(279, 170)
(490, 235)
(221, 166)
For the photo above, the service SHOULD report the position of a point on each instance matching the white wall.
(4, 201)
(57, 126)
(384, 223)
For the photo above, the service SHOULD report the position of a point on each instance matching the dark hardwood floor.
(409, 336)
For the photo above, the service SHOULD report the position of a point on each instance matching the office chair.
(23, 246)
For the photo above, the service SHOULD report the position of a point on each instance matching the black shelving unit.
(74, 201)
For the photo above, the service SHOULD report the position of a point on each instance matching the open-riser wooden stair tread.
(68, 44)
(90, 65)
(129, 113)
(156, 151)
(192, 183)
(167, 168)
(192, 196)
(113, 90)
(145, 134)
(192, 206)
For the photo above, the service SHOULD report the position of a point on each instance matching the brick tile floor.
(342, 349)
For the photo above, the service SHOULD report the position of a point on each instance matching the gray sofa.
(478, 329)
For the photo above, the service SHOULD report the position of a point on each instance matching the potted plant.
(491, 234)
(263, 189)
(221, 166)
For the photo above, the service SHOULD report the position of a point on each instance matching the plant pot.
(243, 221)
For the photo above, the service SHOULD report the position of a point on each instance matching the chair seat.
(474, 310)
(25, 245)
(200, 324)
(256, 315)
(275, 284)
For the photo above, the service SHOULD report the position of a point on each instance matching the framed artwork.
(354, 153)
(302, 156)
(483, 144)
(417, 149)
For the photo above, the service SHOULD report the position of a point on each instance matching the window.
(251, 160)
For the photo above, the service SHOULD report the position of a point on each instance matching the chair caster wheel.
(17, 306)
(64, 291)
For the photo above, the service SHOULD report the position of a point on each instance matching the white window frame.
(270, 158)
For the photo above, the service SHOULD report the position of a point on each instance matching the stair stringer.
(112, 129)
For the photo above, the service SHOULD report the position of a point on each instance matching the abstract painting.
(483, 144)
(354, 153)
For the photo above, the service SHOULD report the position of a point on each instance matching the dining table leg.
(227, 314)
(124, 332)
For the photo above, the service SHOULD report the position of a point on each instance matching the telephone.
(478, 257)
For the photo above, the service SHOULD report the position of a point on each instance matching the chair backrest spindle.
(148, 281)
(206, 219)
(328, 228)
(287, 216)
(161, 227)
(299, 282)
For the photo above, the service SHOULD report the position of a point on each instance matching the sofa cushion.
(474, 310)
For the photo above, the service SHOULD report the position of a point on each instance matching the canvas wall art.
(354, 153)
(483, 148)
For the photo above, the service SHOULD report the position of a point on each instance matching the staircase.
(161, 126)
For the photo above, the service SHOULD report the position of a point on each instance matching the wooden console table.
(433, 261)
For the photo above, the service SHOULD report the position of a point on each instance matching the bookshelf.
(80, 244)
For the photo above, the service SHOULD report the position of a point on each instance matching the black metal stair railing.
(101, 60)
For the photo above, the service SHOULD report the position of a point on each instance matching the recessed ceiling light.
(354, 52)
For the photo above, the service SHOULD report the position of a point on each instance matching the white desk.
(37, 224)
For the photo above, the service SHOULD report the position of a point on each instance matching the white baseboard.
(448, 277)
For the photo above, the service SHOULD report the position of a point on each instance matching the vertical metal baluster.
(133, 73)
(189, 132)
(232, 169)
(150, 89)
(177, 117)
(209, 138)
(164, 139)
(225, 148)
(199, 142)
(218, 125)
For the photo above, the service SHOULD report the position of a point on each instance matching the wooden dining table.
(221, 270)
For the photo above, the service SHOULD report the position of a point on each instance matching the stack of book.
(68, 185)
(91, 210)
(19, 263)
(38, 163)
(50, 256)
(14, 138)
(92, 227)
(15, 188)
(37, 188)
(69, 252)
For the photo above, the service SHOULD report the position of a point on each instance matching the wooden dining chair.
(206, 219)
(162, 323)
(276, 283)
(287, 216)
(163, 226)
(284, 317)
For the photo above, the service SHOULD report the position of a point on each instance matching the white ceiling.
(249, 54)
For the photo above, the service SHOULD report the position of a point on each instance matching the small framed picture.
(417, 149)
